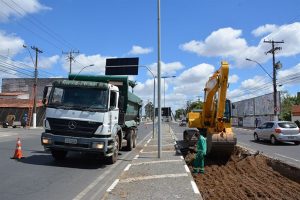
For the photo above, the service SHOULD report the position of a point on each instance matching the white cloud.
(10, 44)
(83, 60)
(289, 76)
(48, 62)
(19, 8)
(265, 29)
(256, 86)
(138, 50)
(192, 81)
(166, 68)
(228, 43)
(233, 78)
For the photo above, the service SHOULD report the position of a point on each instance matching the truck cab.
(84, 116)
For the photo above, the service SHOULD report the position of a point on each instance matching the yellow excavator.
(214, 120)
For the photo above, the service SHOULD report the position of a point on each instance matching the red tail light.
(277, 130)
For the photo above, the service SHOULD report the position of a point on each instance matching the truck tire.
(59, 154)
(112, 159)
(134, 139)
(130, 138)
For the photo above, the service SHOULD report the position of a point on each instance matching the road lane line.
(287, 157)
(90, 186)
(181, 157)
(127, 167)
(171, 151)
(195, 188)
(136, 157)
(187, 169)
(156, 161)
(112, 185)
(141, 178)
(141, 151)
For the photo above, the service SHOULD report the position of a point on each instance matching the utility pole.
(37, 51)
(275, 67)
(70, 57)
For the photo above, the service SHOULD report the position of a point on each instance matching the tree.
(179, 113)
(286, 106)
(149, 110)
(195, 105)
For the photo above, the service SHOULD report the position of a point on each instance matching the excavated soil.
(246, 176)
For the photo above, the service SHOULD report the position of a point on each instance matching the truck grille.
(74, 128)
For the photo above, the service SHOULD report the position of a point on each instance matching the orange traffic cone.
(18, 151)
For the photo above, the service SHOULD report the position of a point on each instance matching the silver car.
(278, 131)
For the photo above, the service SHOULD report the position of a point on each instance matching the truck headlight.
(98, 145)
(46, 140)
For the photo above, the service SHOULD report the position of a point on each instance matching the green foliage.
(195, 105)
(286, 106)
(180, 112)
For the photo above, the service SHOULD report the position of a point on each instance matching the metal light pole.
(159, 81)
(82, 69)
(164, 77)
(275, 66)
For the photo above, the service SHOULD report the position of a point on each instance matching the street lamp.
(153, 98)
(164, 77)
(248, 59)
(276, 66)
(83, 69)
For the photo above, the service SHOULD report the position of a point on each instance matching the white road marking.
(141, 151)
(127, 167)
(195, 188)
(136, 157)
(187, 169)
(157, 161)
(145, 144)
(287, 157)
(164, 145)
(90, 186)
(141, 178)
(181, 157)
(148, 140)
(112, 185)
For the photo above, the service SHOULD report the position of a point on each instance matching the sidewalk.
(149, 177)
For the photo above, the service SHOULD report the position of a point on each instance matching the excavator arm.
(212, 121)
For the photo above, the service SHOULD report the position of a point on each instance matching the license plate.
(291, 137)
(70, 141)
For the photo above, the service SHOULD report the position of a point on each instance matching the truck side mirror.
(45, 94)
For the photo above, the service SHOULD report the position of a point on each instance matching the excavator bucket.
(221, 144)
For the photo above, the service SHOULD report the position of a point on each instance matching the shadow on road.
(73, 160)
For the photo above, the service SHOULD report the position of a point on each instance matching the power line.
(44, 28)
(71, 58)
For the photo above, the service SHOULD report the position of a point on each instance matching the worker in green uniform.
(201, 152)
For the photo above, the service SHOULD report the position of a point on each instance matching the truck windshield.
(78, 98)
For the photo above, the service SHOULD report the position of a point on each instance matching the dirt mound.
(246, 176)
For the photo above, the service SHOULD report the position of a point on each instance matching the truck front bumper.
(69, 143)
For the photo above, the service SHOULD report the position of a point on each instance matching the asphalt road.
(286, 152)
(38, 176)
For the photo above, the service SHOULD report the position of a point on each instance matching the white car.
(278, 131)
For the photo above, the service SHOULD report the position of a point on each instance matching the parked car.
(278, 131)
(182, 122)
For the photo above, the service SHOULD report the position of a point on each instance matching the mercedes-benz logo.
(72, 125)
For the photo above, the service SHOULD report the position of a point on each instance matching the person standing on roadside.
(198, 165)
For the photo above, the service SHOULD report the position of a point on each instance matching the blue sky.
(195, 37)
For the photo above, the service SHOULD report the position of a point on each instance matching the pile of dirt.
(246, 176)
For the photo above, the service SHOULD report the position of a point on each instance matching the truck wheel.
(59, 154)
(134, 139)
(112, 159)
(130, 138)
